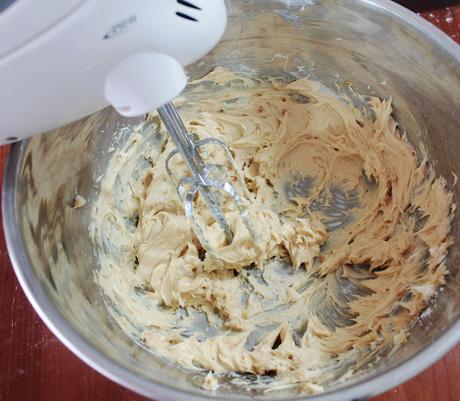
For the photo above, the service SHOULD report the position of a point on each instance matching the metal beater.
(205, 178)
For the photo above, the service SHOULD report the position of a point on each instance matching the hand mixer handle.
(74, 57)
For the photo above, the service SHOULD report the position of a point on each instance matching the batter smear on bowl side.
(352, 235)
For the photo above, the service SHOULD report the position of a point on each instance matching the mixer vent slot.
(185, 16)
(187, 4)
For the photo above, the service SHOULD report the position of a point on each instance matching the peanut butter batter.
(352, 234)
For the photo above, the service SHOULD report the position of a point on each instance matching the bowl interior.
(381, 49)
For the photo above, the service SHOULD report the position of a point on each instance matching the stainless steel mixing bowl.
(379, 46)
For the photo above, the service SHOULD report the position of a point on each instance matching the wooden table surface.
(35, 366)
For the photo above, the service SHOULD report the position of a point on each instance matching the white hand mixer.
(63, 60)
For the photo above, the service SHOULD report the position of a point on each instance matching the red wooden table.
(35, 366)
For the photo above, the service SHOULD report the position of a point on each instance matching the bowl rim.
(63, 330)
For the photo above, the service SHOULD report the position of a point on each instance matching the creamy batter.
(352, 234)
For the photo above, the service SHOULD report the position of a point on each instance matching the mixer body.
(64, 60)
